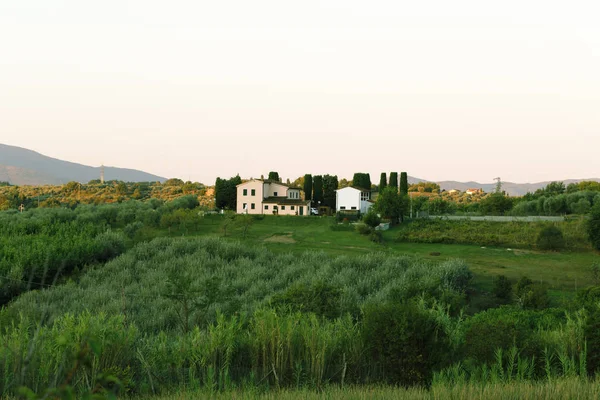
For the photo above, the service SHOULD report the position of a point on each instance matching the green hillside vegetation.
(74, 193)
(160, 298)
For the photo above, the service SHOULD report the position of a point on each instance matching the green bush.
(363, 229)
(532, 295)
(376, 237)
(318, 297)
(550, 238)
(371, 219)
(502, 288)
(593, 226)
(404, 342)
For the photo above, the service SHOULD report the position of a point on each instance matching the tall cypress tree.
(318, 189)
(361, 180)
(382, 181)
(403, 183)
(274, 176)
(330, 185)
(308, 187)
(394, 180)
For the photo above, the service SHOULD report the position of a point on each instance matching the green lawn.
(563, 272)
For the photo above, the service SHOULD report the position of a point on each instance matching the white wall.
(348, 197)
(248, 199)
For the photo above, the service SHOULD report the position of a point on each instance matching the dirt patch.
(520, 251)
(287, 238)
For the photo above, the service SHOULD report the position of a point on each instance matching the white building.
(353, 199)
(261, 196)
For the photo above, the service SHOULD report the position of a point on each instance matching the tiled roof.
(285, 201)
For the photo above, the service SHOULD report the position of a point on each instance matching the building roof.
(285, 201)
(356, 188)
(271, 181)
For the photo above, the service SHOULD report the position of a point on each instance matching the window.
(275, 194)
(293, 208)
(244, 206)
(252, 206)
(266, 206)
(364, 196)
(354, 208)
(245, 192)
(253, 192)
(283, 207)
(342, 208)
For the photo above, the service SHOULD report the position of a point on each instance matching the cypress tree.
(274, 176)
(403, 183)
(382, 181)
(394, 180)
(318, 189)
(361, 180)
(308, 187)
(330, 185)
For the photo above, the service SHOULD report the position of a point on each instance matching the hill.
(21, 166)
(513, 189)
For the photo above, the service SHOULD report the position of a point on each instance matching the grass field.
(563, 272)
(561, 389)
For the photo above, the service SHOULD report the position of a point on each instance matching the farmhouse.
(353, 199)
(262, 196)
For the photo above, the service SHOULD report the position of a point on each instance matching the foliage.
(362, 180)
(550, 238)
(531, 295)
(318, 189)
(403, 342)
(403, 183)
(495, 204)
(592, 337)
(394, 180)
(363, 229)
(426, 187)
(390, 204)
(226, 192)
(308, 186)
(273, 176)
(593, 226)
(319, 297)
(489, 233)
(382, 181)
(371, 219)
(502, 288)
(330, 185)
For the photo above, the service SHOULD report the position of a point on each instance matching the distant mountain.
(20, 166)
(513, 189)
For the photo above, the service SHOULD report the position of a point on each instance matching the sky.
(445, 90)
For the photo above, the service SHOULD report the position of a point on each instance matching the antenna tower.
(498, 185)
(102, 174)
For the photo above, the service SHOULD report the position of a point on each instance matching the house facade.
(352, 198)
(262, 196)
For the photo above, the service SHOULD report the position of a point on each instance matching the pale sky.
(445, 90)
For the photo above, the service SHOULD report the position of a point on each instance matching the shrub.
(376, 237)
(593, 226)
(592, 337)
(109, 245)
(363, 229)
(372, 219)
(550, 238)
(502, 288)
(319, 297)
(532, 295)
(403, 341)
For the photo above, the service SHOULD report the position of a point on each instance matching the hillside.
(513, 189)
(21, 166)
